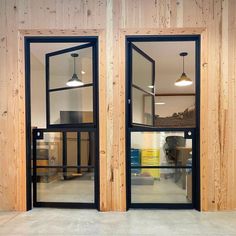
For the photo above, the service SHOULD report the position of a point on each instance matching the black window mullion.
(47, 91)
(64, 152)
(68, 88)
(141, 128)
(95, 83)
(154, 91)
(161, 167)
(141, 89)
(66, 166)
(56, 53)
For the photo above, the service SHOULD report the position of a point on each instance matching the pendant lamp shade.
(183, 80)
(74, 81)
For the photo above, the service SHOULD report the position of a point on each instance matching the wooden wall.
(61, 17)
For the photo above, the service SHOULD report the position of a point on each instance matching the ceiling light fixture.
(150, 86)
(183, 80)
(160, 103)
(74, 81)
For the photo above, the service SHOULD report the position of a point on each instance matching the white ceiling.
(40, 49)
(60, 64)
(169, 64)
(166, 56)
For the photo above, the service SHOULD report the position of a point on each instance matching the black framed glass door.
(163, 146)
(62, 119)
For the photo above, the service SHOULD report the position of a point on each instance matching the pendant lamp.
(183, 80)
(74, 81)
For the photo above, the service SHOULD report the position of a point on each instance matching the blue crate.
(135, 160)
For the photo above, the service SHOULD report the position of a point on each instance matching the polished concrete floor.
(82, 190)
(162, 191)
(73, 190)
(42, 221)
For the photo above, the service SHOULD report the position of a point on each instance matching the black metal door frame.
(195, 132)
(90, 128)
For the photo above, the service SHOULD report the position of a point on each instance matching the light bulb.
(74, 83)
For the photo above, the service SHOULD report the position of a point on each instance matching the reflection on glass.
(71, 106)
(171, 186)
(161, 185)
(49, 150)
(68, 181)
(142, 107)
(142, 71)
(61, 67)
(175, 111)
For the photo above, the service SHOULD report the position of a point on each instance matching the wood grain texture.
(112, 20)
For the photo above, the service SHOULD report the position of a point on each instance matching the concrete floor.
(162, 191)
(42, 221)
(82, 190)
(73, 190)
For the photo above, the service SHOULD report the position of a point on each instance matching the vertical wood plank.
(4, 192)
(104, 183)
(231, 178)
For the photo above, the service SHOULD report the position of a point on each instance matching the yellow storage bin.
(151, 157)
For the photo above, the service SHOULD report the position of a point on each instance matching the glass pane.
(160, 149)
(175, 102)
(57, 179)
(162, 186)
(53, 187)
(142, 107)
(71, 106)
(175, 111)
(85, 143)
(142, 70)
(38, 80)
(61, 67)
(49, 150)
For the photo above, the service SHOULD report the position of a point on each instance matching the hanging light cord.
(74, 65)
(183, 64)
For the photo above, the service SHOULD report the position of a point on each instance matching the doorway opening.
(62, 122)
(162, 121)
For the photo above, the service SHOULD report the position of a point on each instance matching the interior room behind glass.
(174, 105)
(72, 105)
(163, 97)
